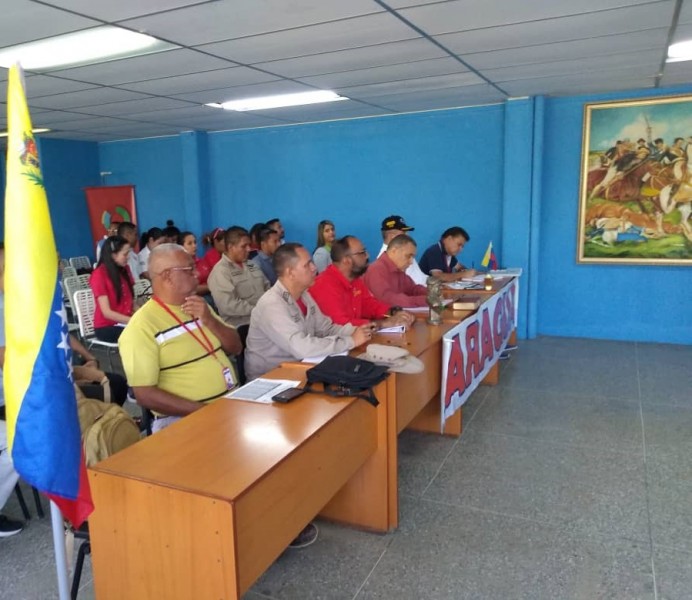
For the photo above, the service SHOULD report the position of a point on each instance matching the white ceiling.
(387, 56)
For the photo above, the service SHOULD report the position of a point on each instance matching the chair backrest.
(142, 289)
(72, 284)
(68, 271)
(81, 262)
(62, 263)
(84, 306)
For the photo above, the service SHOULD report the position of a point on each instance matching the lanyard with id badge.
(206, 344)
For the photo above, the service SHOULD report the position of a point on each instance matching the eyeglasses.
(190, 270)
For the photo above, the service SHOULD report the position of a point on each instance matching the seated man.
(391, 227)
(235, 283)
(268, 243)
(174, 348)
(387, 280)
(288, 325)
(341, 294)
(440, 259)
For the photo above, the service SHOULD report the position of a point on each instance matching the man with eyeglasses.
(342, 295)
(174, 349)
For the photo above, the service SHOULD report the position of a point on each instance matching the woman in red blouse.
(215, 240)
(112, 284)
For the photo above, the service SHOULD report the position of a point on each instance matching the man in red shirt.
(386, 277)
(342, 295)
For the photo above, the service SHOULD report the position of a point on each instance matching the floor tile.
(457, 554)
(665, 373)
(597, 422)
(333, 567)
(420, 457)
(673, 574)
(578, 488)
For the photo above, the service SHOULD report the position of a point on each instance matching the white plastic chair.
(81, 262)
(142, 290)
(85, 305)
(68, 271)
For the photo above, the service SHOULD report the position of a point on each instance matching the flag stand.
(60, 552)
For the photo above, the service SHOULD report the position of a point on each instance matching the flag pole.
(56, 520)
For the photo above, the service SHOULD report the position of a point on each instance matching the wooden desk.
(202, 508)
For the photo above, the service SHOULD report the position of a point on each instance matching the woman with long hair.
(112, 285)
(326, 234)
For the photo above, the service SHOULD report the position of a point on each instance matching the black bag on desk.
(347, 376)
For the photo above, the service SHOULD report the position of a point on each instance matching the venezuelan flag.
(489, 259)
(42, 421)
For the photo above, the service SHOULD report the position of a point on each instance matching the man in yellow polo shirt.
(174, 348)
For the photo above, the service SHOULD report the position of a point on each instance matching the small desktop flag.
(42, 422)
(489, 258)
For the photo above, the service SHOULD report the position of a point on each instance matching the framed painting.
(635, 197)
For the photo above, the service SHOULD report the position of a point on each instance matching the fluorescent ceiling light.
(81, 48)
(280, 101)
(3, 134)
(680, 52)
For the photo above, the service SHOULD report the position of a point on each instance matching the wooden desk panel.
(202, 508)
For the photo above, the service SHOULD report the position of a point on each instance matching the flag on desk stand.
(489, 258)
(42, 422)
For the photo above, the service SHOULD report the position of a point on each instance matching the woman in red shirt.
(215, 240)
(112, 285)
(188, 241)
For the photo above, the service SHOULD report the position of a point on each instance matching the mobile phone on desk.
(288, 395)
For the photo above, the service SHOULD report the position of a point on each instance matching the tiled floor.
(572, 480)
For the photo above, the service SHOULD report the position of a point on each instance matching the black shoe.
(505, 355)
(8, 527)
(306, 537)
(510, 347)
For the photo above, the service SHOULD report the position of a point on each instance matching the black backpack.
(347, 376)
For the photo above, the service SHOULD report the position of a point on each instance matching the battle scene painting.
(636, 182)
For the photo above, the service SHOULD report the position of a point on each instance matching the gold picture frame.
(635, 195)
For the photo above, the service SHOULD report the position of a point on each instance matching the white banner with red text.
(472, 348)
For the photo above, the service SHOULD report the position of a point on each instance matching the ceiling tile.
(545, 31)
(581, 83)
(52, 118)
(271, 88)
(332, 110)
(218, 21)
(423, 68)
(391, 53)
(194, 82)
(628, 45)
(131, 107)
(410, 85)
(317, 39)
(464, 15)
(124, 9)
(142, 68)
(440, 99)
(89, 97)
(25, 21)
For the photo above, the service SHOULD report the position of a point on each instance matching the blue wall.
(155, 167)
(436, 169)
(643, 303)
(68, 167)
(508, 173)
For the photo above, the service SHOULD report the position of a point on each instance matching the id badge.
(228, 377)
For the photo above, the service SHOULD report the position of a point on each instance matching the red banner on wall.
(107, 204)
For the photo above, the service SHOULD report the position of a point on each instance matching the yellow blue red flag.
(489, 258)
(42, 422)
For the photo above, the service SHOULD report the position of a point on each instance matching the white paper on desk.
(394, 329)
(318, 359)
(475, 278)
(261, 390)
(461, 285)
(422, 309)
(509, 272)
